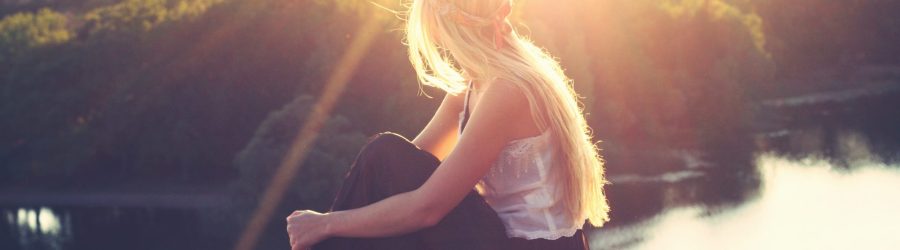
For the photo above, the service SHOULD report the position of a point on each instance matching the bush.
(22, 32)
(320, 174)
(134, 17)
(658, 74)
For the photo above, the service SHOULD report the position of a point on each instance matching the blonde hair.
(550, 93)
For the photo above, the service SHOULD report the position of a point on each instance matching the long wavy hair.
(444, 52)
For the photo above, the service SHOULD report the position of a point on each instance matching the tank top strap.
(465, 120)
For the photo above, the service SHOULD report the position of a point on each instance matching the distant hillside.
(190, 92)
(8, 7)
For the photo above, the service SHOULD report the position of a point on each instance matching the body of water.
(812, 188)
(800, 204)
(61, 227)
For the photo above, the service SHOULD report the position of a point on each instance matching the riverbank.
(162, 198)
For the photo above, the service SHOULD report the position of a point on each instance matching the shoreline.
(169, 199)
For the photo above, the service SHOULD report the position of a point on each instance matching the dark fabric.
(577, 241)
(390, 164)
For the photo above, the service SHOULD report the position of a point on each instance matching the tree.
(24, 31)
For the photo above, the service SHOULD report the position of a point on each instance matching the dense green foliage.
(196, 92)
(23, 32)
(815, 35)
(659, 74)
(327, 161)
(140, 16)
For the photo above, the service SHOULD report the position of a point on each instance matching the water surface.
(801, 204)
(813, 188)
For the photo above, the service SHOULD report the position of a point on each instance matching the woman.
(510, 126)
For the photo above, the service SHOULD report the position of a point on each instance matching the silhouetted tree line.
(188, 92)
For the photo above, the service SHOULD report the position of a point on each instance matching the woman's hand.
(306, 228)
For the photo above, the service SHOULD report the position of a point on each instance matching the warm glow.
(718, 124)
(803, 204)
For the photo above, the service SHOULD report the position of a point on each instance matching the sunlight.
(49, 221)
(41, 220)
(289, 167)
(200, 124)
(803, 204)
(24, 220)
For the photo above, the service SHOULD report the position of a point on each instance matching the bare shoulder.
(506, 103)
(505, 93)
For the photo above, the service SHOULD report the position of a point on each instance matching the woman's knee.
(391, 150)
(385, 141)
(382, 145)
(388, 138)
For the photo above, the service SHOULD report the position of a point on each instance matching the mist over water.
(829, 186)
(801, 204)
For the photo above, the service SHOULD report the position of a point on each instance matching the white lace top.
(517, 187)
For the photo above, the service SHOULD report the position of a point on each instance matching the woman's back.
(528, 127)
(519, 189)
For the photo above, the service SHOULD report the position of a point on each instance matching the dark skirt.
(390, 164)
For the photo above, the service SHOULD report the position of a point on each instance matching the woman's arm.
(487, 133)
(502, 115)
(440, 135)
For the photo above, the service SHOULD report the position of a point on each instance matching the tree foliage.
(209, 91)
(134, 17)
(658, 74)
(325, 165)
(25, 31)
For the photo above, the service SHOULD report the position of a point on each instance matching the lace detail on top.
(517, 153)
(518, 188)
(519, 147)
